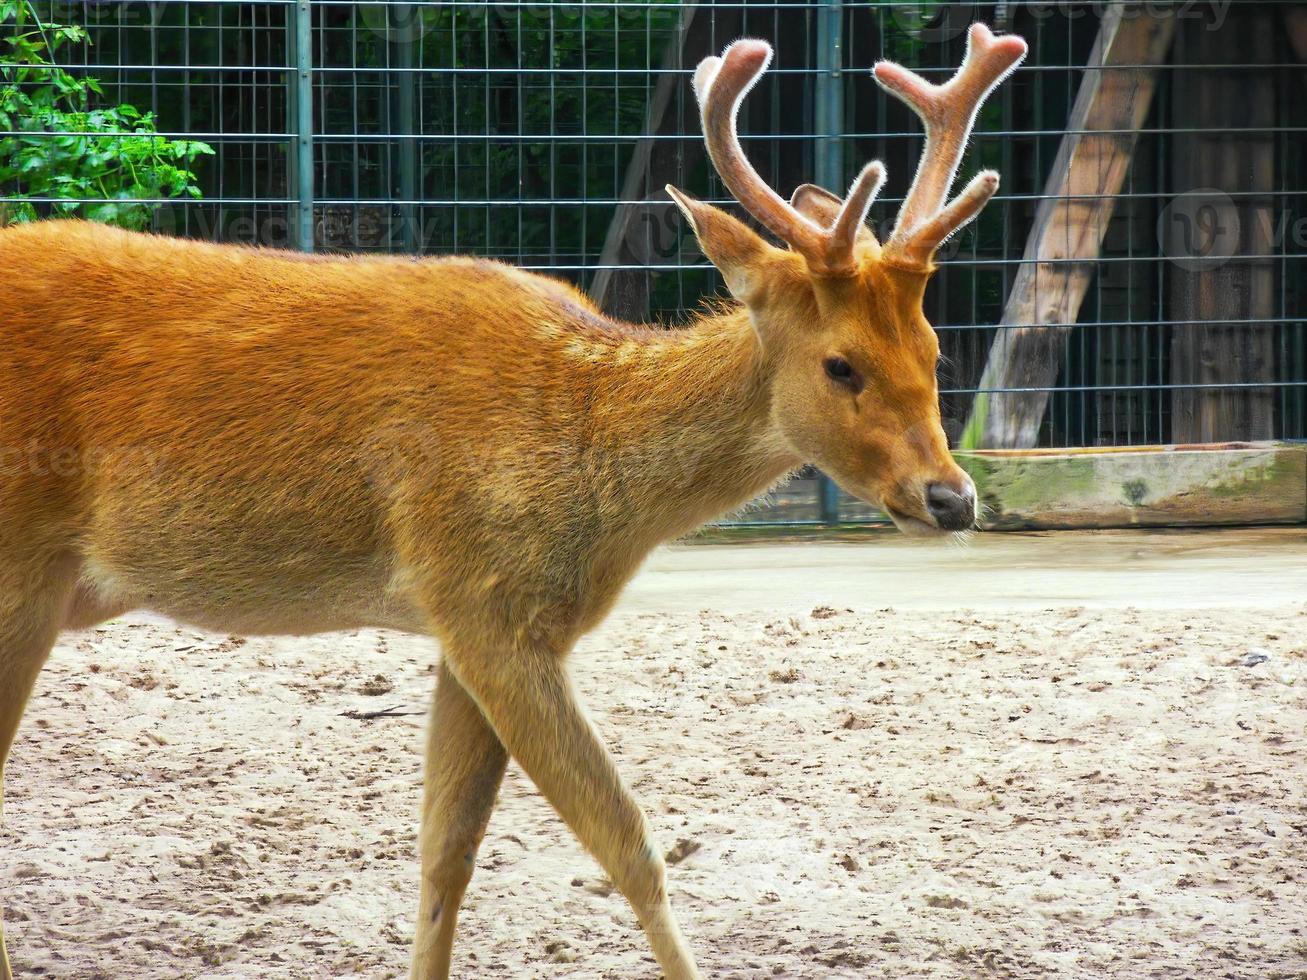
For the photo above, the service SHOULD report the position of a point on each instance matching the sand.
(845, 790)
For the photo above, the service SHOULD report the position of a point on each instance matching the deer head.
(848, 349)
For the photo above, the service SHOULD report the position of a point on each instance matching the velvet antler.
(720, 85)
(925, 221)
(948, 112)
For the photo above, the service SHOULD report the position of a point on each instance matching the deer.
(263, 442)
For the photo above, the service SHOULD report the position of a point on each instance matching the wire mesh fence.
(1137, 280)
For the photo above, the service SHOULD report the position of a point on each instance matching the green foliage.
(109, 153)
(552, 74)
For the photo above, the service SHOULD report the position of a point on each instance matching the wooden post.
(1079, 199)
(1219, 229)
(1295, 24)
(646, 223)
(624, 293)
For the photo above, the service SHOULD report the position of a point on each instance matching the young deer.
(259, 442)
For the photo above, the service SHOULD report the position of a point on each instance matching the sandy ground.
(867, 760)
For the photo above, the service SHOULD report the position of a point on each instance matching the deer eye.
(841, 371)
(838, 368)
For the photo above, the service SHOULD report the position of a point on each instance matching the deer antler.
(720, 85)
(948, 111)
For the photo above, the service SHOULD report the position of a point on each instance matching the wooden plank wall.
(1221, 275)
(1080, 197)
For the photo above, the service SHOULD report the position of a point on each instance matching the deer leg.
(529, 700)
(88, 608)
(30, 607)
(464, 767)
(32, 603)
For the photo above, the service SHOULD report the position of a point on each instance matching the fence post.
(301, 98)
(404, 33)
(829, 116)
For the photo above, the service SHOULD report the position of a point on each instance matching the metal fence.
(1137, 280)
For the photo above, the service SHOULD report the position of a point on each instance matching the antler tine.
(720, 84)
(704, 75)
(948, 112)
(863, 190)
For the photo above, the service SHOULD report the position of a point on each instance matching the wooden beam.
(1219, 229)
(1295, 24)
(1079, 199)
(646, 226)
(636, 229)
(1151, 486)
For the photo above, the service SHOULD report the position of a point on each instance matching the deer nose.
(952, 507)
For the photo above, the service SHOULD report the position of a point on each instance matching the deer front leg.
(464, 767)
(528, 698)
(24, 644)
(31, 597)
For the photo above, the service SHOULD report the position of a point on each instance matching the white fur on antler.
(948, 112)
(720, 84)
(924, 222)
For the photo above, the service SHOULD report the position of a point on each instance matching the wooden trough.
(1145, 486)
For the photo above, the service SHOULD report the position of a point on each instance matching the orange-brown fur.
(252, 442)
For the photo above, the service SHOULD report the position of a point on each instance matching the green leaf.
(114, 152)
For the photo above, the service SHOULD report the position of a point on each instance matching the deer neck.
(682, 424)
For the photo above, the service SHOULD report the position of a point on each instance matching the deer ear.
(740, 254)
(821, 206)
(817, 204)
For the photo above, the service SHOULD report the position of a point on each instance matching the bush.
(97, 163)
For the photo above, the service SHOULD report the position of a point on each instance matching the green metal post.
(829, 116)
(303, 122)
(404, 31)
(292, 121)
